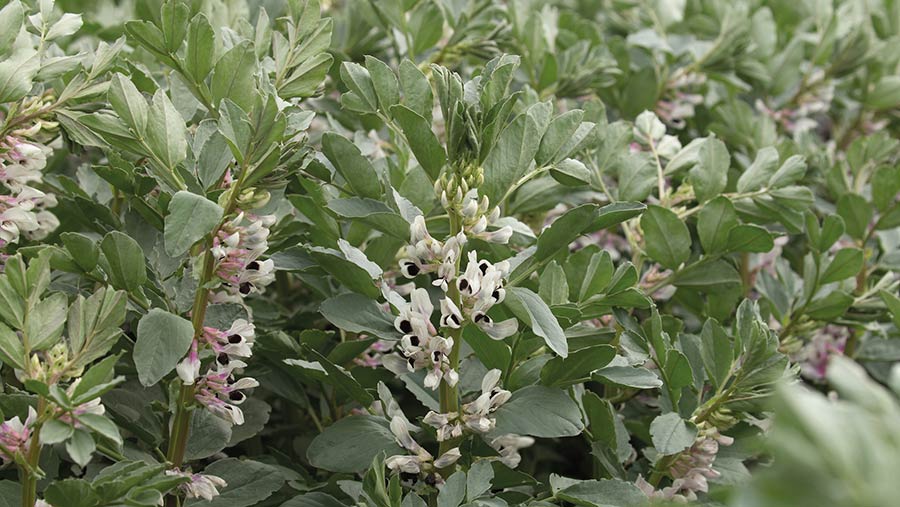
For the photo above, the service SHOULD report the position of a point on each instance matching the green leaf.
(893, 305)
(305, 79)
(124, 260)
(11, 17)
(667, 238)
(559, 131)
(671, 434)
(750, 238)
(98, 374)
(234, 77)
(478, 479)
(831, 306)
(717, 353)
(81, 447)
(553, 288)
(44, 323)
(628, 376)
(846, 262)
(422, 141)
(190, 218)
(387, 88)
(514, 151)
(760, 171)
(714, 223)
(562, 372)
(208, 434)
(603, 493)
(358, 80)
(70, 492)
(342, 380)
(162, 341)
(558, 416)
(832, 230)
(789, 173)
(710, 175)
(885, 94)
(571, 172)
(373, 213)
(166, 139)
(491, 353)
(201, 46)
(55, 431)
(356, 170)
(12, 352)
(128, 103)
(350, 444)
(535, 313)
(708, 275)
(356, 313)
(16, 73)
(84, 250)
(417, 94)
(249, 483)
(856, 212)
(174, 20)
(453, 492)
(564, 230)
(101, 425)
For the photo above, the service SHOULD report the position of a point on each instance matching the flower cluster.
(476, 416)
(237, 249)
(421, 344)
(200, 485)
(15, 437)
(418, 460)
(476, 218)
(691, 470)
(218, 390)
(23, 211)
(818, 351)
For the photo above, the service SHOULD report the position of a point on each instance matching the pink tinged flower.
(189, 368)
(200, 485)
(15, 436)
(221, 395)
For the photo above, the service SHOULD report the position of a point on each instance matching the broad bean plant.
(449, 253)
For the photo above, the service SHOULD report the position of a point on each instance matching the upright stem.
(180, 431)
(449, 396)
(33, 457)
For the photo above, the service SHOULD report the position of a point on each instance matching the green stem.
(449, 395)
(30, 473)
(180, 431)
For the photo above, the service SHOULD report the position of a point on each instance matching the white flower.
(446, 425)
(419, 459)
(508, 447)
(477, 414)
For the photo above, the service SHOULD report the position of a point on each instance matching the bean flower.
(15, 436)
(203, 486)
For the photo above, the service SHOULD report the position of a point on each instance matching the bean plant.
(449, 253)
